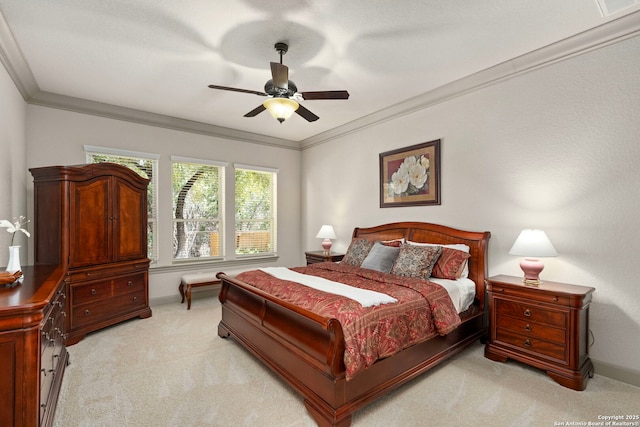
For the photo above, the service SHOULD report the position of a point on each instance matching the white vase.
(14, 259)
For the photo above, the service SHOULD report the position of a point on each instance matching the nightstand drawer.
(531, 313)
(535, 345)
(532, 329)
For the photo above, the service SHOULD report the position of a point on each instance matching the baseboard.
(626, 375)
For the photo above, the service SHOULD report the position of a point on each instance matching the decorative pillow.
(357, 252)
(395, 243)
(416, 261)
(381, 257)
(459, 246)
(450, 264)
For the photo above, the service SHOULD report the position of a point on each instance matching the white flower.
(14, 226)
(417, 175)
(424, 162)
(400, 179)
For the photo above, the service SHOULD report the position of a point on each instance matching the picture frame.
(410, 176)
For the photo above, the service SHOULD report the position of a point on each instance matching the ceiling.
(153, 59)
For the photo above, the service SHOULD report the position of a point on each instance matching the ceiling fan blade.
(233, 89)
(327, 94)
(280, 74)
(306, 114)
(259, 109)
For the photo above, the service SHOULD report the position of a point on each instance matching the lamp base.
(531, 268)
(326, 246)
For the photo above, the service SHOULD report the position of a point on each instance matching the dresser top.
(36, 289)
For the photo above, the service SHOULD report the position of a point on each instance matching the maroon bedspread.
(423, 310)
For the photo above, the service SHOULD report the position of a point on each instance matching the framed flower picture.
(410, 176)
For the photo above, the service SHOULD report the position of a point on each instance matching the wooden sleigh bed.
(307, 350)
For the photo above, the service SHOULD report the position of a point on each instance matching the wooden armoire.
(92, 219)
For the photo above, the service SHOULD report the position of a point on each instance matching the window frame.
(273, 213)
(222, 226)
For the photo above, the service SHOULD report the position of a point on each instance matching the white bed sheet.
(461, 291)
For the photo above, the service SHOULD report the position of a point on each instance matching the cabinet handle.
(130, 283)
(527, 328)
(527, 343)
(527, 313)
(135, 298)
(555, 298)
(93, 292)
(87, 312)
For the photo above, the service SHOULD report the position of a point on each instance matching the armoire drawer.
(131, 283)
(97, 311)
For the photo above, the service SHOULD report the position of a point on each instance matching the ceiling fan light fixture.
(281, 108)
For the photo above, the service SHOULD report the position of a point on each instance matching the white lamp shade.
(326, 232)
(533, 243)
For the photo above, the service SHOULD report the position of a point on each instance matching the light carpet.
(173, 370)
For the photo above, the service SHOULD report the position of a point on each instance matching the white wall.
(57, 137)
(557, 148)
(13, 199)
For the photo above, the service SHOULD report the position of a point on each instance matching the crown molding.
(614, 31)
(14, 62)
(79, 105)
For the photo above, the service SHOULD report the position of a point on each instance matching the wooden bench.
(195, 280)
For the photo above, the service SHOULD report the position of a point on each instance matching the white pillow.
(458, 246)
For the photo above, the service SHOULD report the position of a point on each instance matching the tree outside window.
(197, 210)
(255, 196)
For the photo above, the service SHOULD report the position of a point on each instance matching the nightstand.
(546, 327)
(320, 256)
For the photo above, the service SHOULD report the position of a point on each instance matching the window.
(145, 165)
(255, 197)
(198, 200)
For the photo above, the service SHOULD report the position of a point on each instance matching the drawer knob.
(527, 328)
(527, 343)
(527, 312)
(135, 298)
(555, 298)
(87, 312)
(93, 292)
(130, 283)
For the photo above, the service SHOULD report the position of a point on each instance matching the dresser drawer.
(104, 309)
(532, 329)
(532, 313)
(531, 344)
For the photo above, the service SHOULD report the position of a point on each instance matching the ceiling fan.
(283, 93)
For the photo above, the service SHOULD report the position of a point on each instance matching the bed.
(307, 349)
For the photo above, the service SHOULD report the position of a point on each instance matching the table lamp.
(532, 244)
(326, 232)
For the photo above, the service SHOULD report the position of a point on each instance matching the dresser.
(33, 356)
(546, 327)
(92, 220)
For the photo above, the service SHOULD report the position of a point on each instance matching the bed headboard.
(423, 232)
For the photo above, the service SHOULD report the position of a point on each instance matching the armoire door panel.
(91, 223)
(129, 208)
